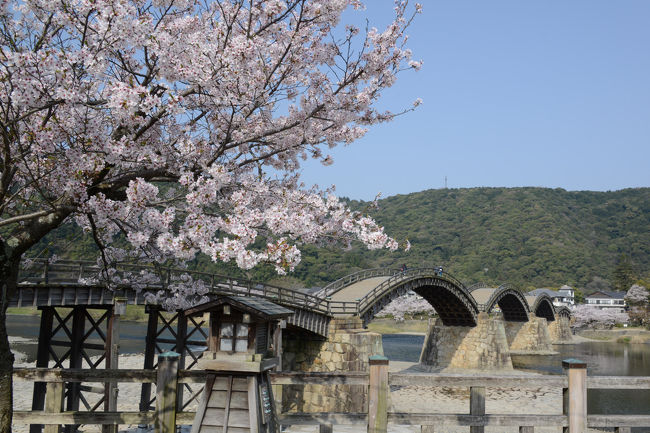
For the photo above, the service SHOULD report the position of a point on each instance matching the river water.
(602, 358)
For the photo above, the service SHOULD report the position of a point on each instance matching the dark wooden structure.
(237, 396)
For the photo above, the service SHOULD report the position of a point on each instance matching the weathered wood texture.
(477, 406)
(165, 420)
(378, 395)
(55, 378)
(460, 380)
(577, 405)
(451, 420)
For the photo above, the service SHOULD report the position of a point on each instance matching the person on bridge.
(403, 268)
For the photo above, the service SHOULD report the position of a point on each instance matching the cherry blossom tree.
(409, 304)
(589, 316)
(180, 126)
(637, 300)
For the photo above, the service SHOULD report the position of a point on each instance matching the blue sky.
(549, 93)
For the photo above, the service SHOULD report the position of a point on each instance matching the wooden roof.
(257, 306)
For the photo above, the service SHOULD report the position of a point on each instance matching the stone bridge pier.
(347, 348)
(531, 337)
(483, 346)
(560, 330)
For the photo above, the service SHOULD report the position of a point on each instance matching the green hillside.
(530, 237)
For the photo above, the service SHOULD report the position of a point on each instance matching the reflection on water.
(603, 359)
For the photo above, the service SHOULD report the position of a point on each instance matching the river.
(602, 358)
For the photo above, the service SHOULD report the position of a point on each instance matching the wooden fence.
(574, 384)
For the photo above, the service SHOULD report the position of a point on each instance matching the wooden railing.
(574, 384)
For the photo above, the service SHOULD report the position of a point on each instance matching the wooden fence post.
(575, 397)
(477, 406)
(166, 384)
(112, 359)
(53, 403)
(378, 395)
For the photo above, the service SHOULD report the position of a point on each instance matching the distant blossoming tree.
(409, 304)
(637, 300)
(180, 126)
(589, 316)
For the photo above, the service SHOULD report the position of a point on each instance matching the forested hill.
(530, 237)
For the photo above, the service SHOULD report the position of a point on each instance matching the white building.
(605, 299)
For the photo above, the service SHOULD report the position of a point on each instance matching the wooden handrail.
(54, 415)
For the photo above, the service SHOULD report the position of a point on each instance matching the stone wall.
(347, 348)
(532, 336)
(483, 346)
(560, 330)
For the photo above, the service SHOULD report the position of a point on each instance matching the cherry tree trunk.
(8, 278)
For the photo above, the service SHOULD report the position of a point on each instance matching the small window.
(233, 341)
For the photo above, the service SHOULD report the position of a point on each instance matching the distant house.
(604, 299)
(565, 297)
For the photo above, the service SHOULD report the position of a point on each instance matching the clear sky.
(550, 93)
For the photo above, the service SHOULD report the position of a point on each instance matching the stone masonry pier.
(347, 348)
(560, 330)
(483, 346)
(529, 337)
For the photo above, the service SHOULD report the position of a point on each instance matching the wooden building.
(244, 343)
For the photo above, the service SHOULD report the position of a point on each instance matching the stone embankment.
(347, 348)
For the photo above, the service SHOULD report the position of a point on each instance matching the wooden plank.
(28, 417)
(618, 420)
(166, 386)
(618, 382)
(577, 410)
(378, 395)
(238, 400)
(216, 417)
(226, 410)
(319, 378)
(477, 406)
(254, 408)
(53, 405)
(465, 381)
(484, 420)
(83, 375)
(212, 429)
(200, 413)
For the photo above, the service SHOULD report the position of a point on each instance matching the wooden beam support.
(166, 398)
(575, 397)
(477, 406)
(378, 395)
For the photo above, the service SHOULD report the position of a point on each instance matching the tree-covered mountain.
(529, 237)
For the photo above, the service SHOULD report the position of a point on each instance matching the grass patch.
(390, 326)
(24, 311)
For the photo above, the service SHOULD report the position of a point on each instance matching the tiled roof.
(262, 305)
(608, 294)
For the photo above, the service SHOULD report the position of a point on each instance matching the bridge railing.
(337, 285)
(369, 299)
(41, 271)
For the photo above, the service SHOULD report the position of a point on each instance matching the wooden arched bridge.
(363, 294)
(69, 337)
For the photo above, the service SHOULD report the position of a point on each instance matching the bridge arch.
(449, 297)
(543, 307)
(511, 302)
(563, 312)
